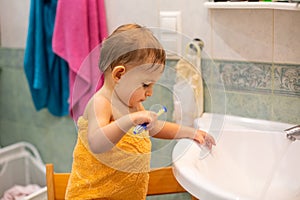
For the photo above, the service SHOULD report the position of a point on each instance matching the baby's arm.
(168, 130)
(103, 132)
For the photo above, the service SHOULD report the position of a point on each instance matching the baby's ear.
(117, 72)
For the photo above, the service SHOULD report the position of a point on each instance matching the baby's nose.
(149, 92)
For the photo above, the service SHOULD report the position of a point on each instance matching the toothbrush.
(139, 128)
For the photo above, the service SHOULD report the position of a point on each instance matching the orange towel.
(121, 173)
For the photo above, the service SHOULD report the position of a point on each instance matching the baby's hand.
(144, 117)
(205, 139)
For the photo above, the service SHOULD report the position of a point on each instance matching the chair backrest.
(161, 181)
(56, 183)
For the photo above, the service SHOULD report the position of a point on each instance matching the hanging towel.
(80, 27)
(46, 73)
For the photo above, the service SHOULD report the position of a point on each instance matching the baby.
(109, 160)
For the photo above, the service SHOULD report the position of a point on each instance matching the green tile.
(214, 100)
(12, 58)
(161, 152)
(207, 66)
(8, 97)
(286, 109)
(249, 105)
(9, 133)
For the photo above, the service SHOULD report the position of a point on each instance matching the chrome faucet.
(293, 133)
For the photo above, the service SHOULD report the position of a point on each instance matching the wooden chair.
(161, 181)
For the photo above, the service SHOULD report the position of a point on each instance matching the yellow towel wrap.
(121, 173)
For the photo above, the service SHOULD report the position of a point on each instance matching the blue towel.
(47, 74)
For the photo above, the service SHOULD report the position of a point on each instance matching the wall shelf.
(252, 5)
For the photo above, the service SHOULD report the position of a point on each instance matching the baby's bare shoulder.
(98, 106)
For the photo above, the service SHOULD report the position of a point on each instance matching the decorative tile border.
(287, 79)
(254, 77)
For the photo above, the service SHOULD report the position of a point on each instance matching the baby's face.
(137, 84)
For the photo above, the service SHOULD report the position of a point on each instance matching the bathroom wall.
(256, 54)
(254, 73)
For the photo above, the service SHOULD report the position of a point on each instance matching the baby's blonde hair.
(131, 45)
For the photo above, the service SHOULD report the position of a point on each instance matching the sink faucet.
(293, 133)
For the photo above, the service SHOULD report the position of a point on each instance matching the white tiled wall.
(242, 34)
(251, 35)
(143, 12)
(14, 16)
(287, 36)
(256, 35)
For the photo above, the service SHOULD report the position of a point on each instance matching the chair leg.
(50, 181)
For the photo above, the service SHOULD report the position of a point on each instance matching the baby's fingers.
(209, 141)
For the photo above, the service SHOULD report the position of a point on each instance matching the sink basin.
(253, 160)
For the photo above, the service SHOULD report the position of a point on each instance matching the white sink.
(253, 160)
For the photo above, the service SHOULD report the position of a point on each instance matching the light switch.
(168, 23)
(170, 20)
(170, 26)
